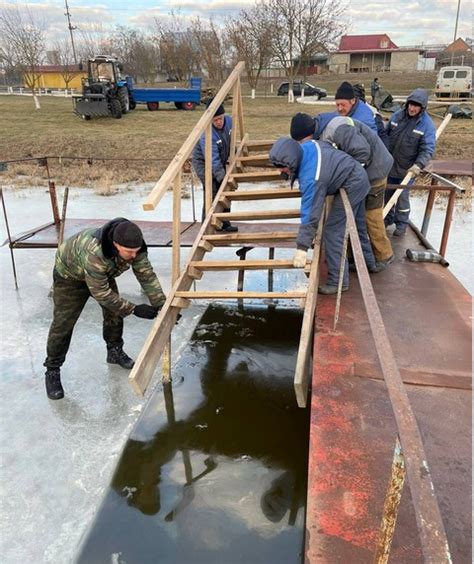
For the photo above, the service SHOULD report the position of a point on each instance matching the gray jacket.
(361, 143)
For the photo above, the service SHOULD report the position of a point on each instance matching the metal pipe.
(426, 243)
(428, 210)
(447, 223)
(9, 238)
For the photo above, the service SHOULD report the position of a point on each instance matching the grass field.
(56, 131)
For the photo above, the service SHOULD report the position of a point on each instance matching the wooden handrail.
(167, 178)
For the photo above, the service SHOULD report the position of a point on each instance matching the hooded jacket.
(321, 171)
(358, 141)
(91, 257)
(412, 140)
(220, 152)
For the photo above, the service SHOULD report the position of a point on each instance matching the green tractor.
(104, 91)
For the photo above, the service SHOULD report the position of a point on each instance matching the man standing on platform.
(87, 265)
(412, 142)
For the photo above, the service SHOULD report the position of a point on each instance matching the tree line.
(284, 33)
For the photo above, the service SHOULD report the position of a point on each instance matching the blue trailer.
(183, 98)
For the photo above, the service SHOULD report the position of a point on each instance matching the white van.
(454, 82)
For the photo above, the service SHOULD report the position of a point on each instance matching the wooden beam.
(194, 273)
(182, 303)
(263, 264)
(259, 146)
(164, 183)
(257, 215)
(205, 245)
(270, 194)
(176, 228)
(249, 237)
(239, 295)
(260, 159)
(303, 369)
(259, 176)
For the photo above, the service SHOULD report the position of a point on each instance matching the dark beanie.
(302, 125)
(345, 92)
(128, 235)
(220, 110)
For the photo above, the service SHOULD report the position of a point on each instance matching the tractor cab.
(104, 91)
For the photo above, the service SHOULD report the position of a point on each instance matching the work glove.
(414, 169)
(299, 259)
(146, 311)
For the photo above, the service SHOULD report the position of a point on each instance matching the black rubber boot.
(54, 389)
(115, 355)
(227, 227)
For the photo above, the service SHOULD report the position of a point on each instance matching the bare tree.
(136, 52)
(179, 54)
(212, 49)
(93, 41)
(301, 28)
(250, 36)
(26, 42)
(65, 61)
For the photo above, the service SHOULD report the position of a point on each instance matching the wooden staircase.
(249, 166)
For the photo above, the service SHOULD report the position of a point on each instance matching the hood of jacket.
(419, 96)
(286, 152)
(321, 121)
(105, 236)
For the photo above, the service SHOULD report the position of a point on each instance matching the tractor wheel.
(115, 108)
(124, 99)
(152, 106)
(133, 104)
(179, 105)
(87, 118)
(188, 105)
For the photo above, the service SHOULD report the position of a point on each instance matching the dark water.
(215, 469)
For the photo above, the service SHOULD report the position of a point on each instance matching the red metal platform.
(426, 312)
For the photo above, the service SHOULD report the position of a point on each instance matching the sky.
(407, 22)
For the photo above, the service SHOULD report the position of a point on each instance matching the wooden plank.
(194, 274)
(303, 368)
(261, 145)
(259, 159)
(205, 246)
(249, 237)
(176, 227)
(163, 184)
(182, 303)
(239, 295)
(256, 215)
(259, 176)
(270, 194)
(208, 169)
(263, 264)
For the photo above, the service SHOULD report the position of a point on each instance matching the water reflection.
(219, 475)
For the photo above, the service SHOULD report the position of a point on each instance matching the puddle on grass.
(215, 469)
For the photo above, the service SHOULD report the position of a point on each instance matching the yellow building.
(55, 76)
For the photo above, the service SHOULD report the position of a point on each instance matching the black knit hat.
(345, 92)
(220, 110)
(302, 125)
(128, 235)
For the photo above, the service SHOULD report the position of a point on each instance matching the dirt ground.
(149, 139)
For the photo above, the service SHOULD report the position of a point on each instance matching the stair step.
(264, 264)
(259, 176)
(258, 159)
(256, 215)
(240, 295)
(256, 237)
(260, 146)
(270, 194)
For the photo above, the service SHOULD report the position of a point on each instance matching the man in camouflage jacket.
(87, 265)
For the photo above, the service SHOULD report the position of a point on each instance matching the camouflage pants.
(70, 297)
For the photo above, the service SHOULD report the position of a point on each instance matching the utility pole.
(71, 28)
(455, 29)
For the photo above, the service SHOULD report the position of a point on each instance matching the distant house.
(372, 53)
(56, 76)
(459, 52)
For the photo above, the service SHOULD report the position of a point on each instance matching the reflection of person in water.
(246, 410)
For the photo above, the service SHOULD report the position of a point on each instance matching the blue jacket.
(362, 112)
(220, 152)
(358, 141)
(321, 171)
(411, 140)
